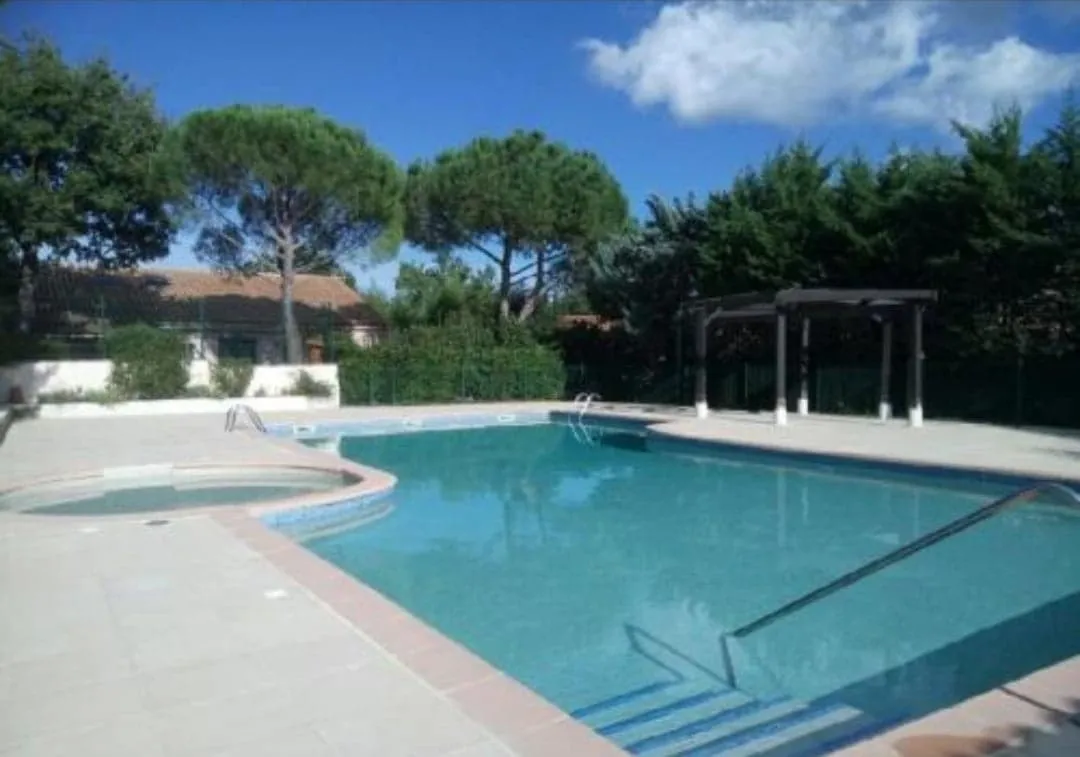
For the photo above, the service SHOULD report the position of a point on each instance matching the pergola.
(887, 306)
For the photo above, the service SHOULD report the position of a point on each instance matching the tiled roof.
(69, 298)
(586, 320)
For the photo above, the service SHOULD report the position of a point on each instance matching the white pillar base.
(884, 411)
(702, 409)
(804, 406)
(915, 416)
(781, 416)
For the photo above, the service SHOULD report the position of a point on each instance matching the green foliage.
(83, 176)
(307, 385)
(285, 189)
(994, 229)
(68, 396)
(449, 292)
(427, 364)
(536, 209)
(231, 377)
(148, 363)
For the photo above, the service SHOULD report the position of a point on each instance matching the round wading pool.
(156, 488)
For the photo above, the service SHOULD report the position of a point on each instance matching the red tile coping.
(528, 723)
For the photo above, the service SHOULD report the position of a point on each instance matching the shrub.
(231, 377)
(427, 365)
(307, 385)
(148, 363)
(67, 396)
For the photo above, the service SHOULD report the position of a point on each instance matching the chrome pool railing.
(963, 523)
(253, 418)
(581, 405)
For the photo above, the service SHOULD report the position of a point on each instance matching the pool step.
(696, 718)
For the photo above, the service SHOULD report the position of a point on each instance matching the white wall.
(53, 376)
(365, 336)
(179, 407)
(93, 375)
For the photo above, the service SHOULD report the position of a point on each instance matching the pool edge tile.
(565, 737)
(507, 707)
(501, 705)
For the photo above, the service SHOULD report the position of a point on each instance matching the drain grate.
(157, 522)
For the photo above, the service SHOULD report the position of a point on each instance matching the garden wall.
(51, 376)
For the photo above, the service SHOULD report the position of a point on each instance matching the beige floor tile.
(428, 731)
(130, 736)
(483, 749)
(40, 677)
(293, 742)
(42, 714)
(221, 724)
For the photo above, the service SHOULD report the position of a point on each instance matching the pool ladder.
(581, 406)
(253, 418)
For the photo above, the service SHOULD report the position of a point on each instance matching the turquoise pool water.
(595, 572)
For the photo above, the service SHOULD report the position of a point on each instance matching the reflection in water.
(536, 551)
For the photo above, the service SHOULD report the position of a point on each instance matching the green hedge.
(449, 365)
(148, 363)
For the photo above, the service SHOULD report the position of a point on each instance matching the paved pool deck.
(212, 635)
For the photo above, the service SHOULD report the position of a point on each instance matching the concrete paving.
(204, 636)
(128, 639)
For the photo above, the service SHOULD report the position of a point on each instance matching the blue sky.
(675, 97)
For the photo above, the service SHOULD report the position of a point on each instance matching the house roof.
(70, 298)
(586, 320)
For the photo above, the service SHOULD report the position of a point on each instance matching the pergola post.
(701, 400)
(804, 369)
(915, 401)
(781, 368)
(884, 406)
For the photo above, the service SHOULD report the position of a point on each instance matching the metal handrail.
(588, 401)
(253, 417)
(868, 569)
(581, 403)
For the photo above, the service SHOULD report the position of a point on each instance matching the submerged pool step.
(789, 730)
(722, 722)
(696, 718)
(661, 719)
(791, 734)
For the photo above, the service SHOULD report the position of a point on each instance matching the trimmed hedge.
(148, 363)
(430, 365)
(230, 377)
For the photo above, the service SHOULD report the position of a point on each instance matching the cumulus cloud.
(798, 63)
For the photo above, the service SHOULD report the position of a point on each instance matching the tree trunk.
(28, 274)
(505, 283)
(533, 300)
(287, 268)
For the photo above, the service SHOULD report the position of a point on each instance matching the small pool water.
(162, 488)
(602, 573)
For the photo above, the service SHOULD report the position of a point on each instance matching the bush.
(67, 396)
(307, 385)
(148, 363)
(231, 377)
(428, 365)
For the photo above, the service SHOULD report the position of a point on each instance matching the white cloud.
(796, 63)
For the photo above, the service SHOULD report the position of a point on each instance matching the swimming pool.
(601, 573)
(155, 488)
